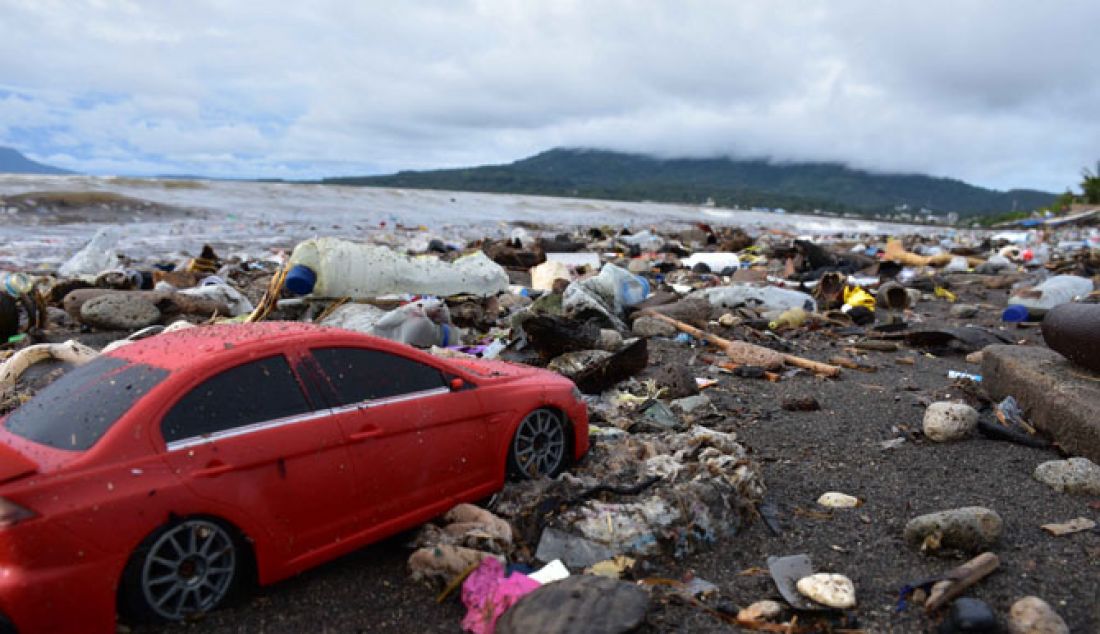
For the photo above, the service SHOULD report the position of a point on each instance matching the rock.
(838, 500)
(800, 404)
(970, 615)
(581, 604)
(970, 529)
(761, 611)
(119, 311)
(1079, 476)
(575, 551)
(833, 590)
(946, 421)
(964, 311)
(652, 327)
(1058, 397)
(1032, 615)
(690, 404)
(975, 357)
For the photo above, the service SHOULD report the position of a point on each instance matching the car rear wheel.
(540, 445)
(184, 569)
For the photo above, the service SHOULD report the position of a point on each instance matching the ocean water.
(261, 219)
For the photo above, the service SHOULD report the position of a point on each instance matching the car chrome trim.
(186, 443)
(378, 402)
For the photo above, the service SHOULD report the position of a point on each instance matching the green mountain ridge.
(588, 173)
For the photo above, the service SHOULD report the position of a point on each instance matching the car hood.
(485, 370)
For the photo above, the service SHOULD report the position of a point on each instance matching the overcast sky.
(1002, 93)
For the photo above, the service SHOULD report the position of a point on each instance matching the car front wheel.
(540, 445)
(186, 568)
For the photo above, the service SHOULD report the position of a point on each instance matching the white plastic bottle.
(1033, 303)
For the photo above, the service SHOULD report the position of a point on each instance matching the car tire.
(186, 568)
(541, 445)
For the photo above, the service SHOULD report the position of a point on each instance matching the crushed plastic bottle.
(761, 297)
(424, 323)
(96, 256)
(340, 268)
(1033, 303)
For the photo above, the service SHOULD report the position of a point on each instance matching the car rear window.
(359, 375)
(76, 410)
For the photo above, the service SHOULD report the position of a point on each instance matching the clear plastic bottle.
(15, 284)
(331, 267)
(629, 289)
(1033, 303)
(761, 297)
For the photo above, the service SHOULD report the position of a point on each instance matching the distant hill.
(728, 182)
(13, 162)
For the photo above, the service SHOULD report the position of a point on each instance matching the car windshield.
(76, 410)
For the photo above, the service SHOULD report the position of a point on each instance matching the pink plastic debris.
(488, 594)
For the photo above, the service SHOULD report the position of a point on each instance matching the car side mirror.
(457, 384)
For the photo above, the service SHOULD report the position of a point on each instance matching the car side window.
(255, 392)
(358, 374)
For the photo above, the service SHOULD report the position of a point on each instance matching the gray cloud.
(998, 93)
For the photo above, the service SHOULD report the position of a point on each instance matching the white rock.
(833, 590)
(1032, 615)
(761, 611)
(838, 500)
(1076, 475)
(945, 421)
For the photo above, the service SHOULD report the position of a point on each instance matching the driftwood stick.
(960, 579)
(751, 354)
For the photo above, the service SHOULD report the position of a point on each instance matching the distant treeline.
(728, 182)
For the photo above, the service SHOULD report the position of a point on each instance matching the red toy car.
(154, 478)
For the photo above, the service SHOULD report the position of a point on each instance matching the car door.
(418, 445)
(249, 438)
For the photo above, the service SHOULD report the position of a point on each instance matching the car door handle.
(214, 469)
(369, 431)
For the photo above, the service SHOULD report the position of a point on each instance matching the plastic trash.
(15, 284)
(644, 240)
(350, 269)
(790, 318)
(238, 304)
(98, 255)
(607, 293)
(955, 374)
(1033, 303)
(487, 594)
(760, 297)
(544, 275)
(423, 324)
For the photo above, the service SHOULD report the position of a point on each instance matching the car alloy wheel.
(538, 448)
(189, 569)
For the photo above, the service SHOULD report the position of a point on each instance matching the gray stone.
(1058, 397)
(1079, 476)
(1032, 615)
(119, 311)
(964, 311)
(946, 421)
(653, 327)
(581, 604)
(970, 529)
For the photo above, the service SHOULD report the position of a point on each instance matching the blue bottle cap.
(1015, 313)
(300, 280)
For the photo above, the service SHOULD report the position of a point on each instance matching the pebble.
(1032, 615)
(119, 311)
(946, 421)
(838, 500)
(1079, 476)
(833, 590)
(761, 611)
(964, 311)
(970, 529)
(653, 327)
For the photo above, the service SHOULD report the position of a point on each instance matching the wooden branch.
(960, 579)
(750, 354)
